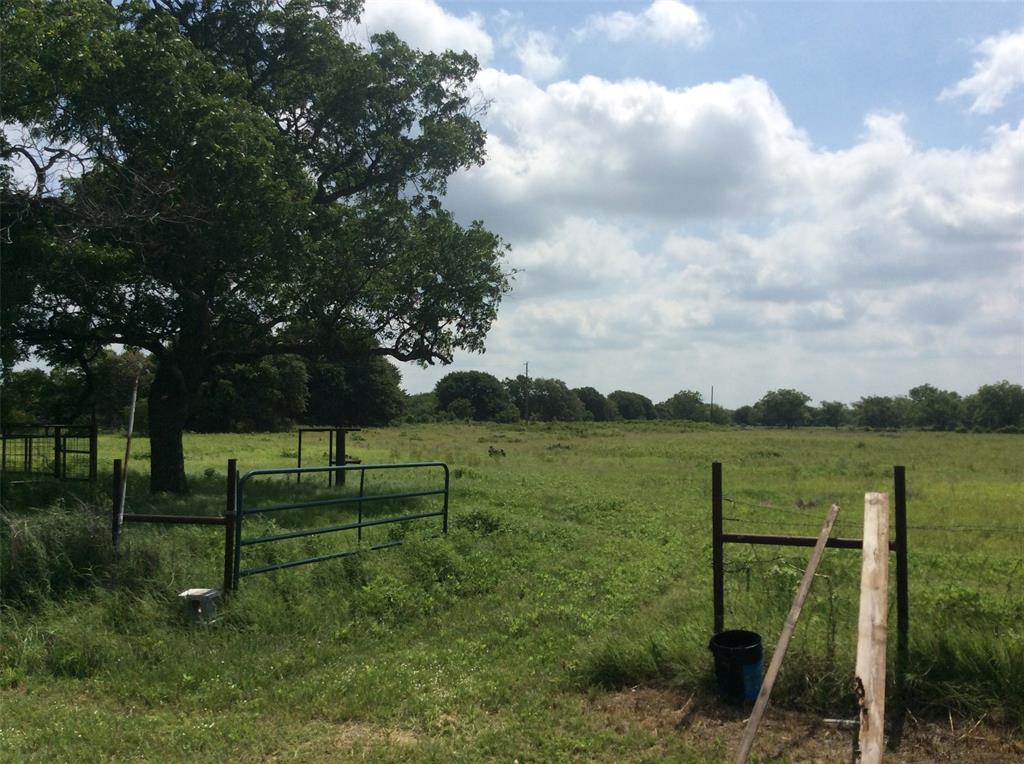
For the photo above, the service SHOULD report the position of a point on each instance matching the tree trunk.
(168, 409)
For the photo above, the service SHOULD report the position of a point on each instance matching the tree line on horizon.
(279, 392)
(478, 396)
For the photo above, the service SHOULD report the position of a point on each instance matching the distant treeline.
(278, 392)
(482, 397)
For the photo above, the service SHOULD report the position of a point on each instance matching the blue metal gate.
(359, 500)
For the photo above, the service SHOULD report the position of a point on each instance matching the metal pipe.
(115, 529)
(319, 558)
(342, 500)
(362, 492)
(229, 526)
(306, 470)
(137, 517)
(336, 528)
(717, 539)
(239, 516)
(447, 479)
(127, 457)
(902, 581)
(766, 540)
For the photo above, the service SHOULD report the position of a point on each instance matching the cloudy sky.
(815, 195)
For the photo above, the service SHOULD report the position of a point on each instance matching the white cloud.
(536, 53)
(663, 21)
(702, 228)
(635, 147)
(579, 255)
(998, 72)
(426, 26)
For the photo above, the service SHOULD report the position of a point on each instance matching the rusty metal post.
(717, 564)
(229, 526)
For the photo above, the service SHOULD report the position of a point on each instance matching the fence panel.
(66, 452)
(350, 513)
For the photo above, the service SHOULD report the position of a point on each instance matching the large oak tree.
(215, 182)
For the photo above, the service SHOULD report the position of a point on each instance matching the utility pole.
(526, 394)
(711, 407)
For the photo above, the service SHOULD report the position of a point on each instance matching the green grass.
(577, 564)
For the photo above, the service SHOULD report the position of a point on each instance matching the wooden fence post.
(869, 681)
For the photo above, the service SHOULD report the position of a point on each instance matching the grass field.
(577, 569)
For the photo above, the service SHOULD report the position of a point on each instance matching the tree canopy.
(217, 182)
(686, 404)
(600, 408)
(783, 408)
(486, 396)
(552, 401)
(632, 405)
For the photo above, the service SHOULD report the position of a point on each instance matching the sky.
(750, 196)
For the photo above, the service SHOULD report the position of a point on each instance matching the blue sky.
(825, 196)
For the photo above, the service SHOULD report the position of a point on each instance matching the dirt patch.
(796, 737)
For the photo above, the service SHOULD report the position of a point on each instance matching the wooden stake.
(869, 681)
(787, 633)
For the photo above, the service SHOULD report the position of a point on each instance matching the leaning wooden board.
(783, 644)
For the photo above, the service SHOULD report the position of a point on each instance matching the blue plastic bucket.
(738, 664)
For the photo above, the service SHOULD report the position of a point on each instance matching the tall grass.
(578, 562)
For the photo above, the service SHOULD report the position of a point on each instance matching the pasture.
(565, 617)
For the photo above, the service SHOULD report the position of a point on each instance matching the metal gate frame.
(897, 546)
(241, 511)
(50, 443)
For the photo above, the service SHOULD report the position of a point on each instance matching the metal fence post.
(447, 478)
(902, 581)
(717, 564)
(239, 513)
(229, 526)
(362, 484)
